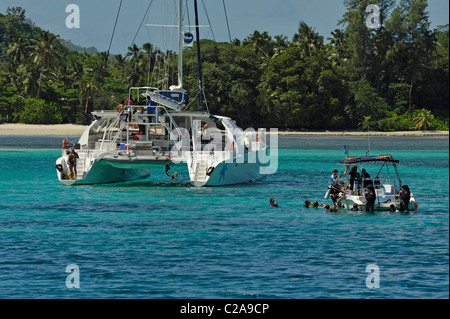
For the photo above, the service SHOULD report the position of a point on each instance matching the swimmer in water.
(273, 203)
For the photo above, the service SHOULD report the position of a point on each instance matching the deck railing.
(110, 129)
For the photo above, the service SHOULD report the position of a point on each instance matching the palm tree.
(87, 92)
(17, 51)
(133, 51)
(281, 44)
(262, 43)
(74, 69)
(102, 63)
(16, 12)
(28, 76)
(422, 120)
(119, 61)
(147, 59)
(133, 65)
(11, 72)
(337, 39)
(337, 47)
(46, 54)
(307, 38)
(236, 42)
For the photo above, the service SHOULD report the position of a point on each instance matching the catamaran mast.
(197, 31)
(180, 49)
(180, 44)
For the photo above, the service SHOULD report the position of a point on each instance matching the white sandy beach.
(66, 130)
(71, 130)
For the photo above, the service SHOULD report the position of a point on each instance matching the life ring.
(64, 144)
(210, 170)
(59, 167)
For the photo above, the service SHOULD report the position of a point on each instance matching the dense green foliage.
(392, 78)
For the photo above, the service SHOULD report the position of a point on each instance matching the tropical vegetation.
(395, 77)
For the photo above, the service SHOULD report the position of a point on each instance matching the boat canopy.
(370, 160)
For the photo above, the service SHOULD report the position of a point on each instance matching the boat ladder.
(112, 143)
(82, 166)
(200, 177)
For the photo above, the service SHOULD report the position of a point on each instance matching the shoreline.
(364, 134)
(69, 130)
(72, 130)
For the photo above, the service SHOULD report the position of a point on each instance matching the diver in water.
(370, 198)
(335, 193)
(393, 209)
(405, 197)
(167, 170)
(273, 203)
(172, 176)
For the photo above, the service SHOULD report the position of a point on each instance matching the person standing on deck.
(334, 178)
(72, 159)
(354, 176)
(130, 108)
(119, 109)
(364, 174)
(151, 110)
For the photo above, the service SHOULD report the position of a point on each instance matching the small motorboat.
(360, 191)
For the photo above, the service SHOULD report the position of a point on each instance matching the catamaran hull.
(234, 173)
(102, 173)
(241, 169)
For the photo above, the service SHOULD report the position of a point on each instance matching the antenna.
(368, 140)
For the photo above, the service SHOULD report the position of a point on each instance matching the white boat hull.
(101, 173)
(381, 204)
(213, 172)
(234, 173)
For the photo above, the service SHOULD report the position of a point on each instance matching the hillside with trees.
(392, 78)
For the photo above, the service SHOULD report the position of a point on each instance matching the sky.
(277, 17)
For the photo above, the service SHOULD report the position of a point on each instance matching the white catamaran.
(153, 132)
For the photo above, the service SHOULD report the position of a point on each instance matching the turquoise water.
(171, 240)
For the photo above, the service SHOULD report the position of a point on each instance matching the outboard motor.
(370, 196)
(405, 197)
